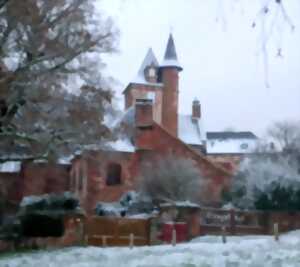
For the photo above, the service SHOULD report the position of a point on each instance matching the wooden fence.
(112, 231)
(235, 222)
(246, 222)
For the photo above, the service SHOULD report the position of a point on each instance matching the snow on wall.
(231, 146)
(10, 166)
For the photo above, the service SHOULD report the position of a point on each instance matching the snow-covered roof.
(231, 135)
(170, 58)
(170, 63)
(149, 60)
(231, 146)
(121, 145)
(10, 166)
(65, 160)
(190, 130)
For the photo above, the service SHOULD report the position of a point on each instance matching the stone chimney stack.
(143, 113)
(196, 110)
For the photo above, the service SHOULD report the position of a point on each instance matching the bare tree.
(48, 50)
(171, 179)
(286, 134)
(268, 171)
(270, 22)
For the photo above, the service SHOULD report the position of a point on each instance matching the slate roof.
(190, 130)
(231, 135)
(170, 58)
(150, 59)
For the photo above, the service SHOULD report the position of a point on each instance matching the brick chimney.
(143, 113)
(196, 110)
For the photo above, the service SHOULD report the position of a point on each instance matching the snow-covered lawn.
(254, 251)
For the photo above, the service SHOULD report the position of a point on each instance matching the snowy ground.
(254, 251)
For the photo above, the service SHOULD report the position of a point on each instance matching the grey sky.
(222, 61)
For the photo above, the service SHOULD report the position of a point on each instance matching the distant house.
(230, 146)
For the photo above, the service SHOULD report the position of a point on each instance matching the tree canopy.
(171, 179)
(52, 91)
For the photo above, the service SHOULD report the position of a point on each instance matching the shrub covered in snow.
(266, 183)
(171, 179)
(131, 203)
(52, 203)
(42, 216)
(110, 209)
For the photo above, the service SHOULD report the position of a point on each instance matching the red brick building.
(151, 129)
(156, 130)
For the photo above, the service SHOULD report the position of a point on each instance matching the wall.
(93, 169)
(10, 187)
(110, 231)
(232, 159)
(43, 178)
(140, 92)
(160, 142)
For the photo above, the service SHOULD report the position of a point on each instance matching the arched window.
(113, 174)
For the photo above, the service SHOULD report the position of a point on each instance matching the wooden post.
(276, 232)
(174, 237)
(104, 243)
(232, 222)
(224, 239)
(86, 240)
(131, 240)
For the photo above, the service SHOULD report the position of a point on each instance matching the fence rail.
(111, 231)
(213, 221)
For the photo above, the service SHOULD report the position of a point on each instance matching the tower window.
(113, 174)
(152, 72)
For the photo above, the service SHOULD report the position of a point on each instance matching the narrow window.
(80, 179)
(113, 175)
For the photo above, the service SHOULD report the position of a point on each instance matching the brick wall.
(93, 169)
(43, 178)
(160, 143)
(10, 186)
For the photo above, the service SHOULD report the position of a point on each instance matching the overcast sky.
(222, 61)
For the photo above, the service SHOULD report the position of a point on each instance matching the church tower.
(169, 76)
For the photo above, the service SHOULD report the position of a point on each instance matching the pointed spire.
(171, 50)
(170, 58)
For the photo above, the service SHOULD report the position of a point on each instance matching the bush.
(50, 203)
(38, 225)
(265, 183)
(171, 179)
